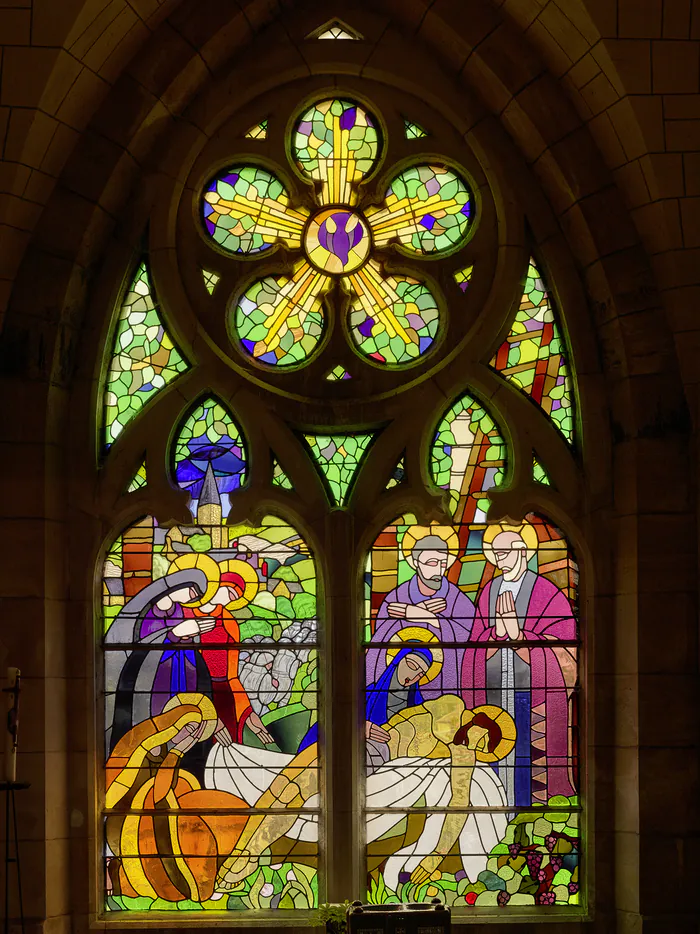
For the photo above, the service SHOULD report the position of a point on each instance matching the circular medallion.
(337, 241)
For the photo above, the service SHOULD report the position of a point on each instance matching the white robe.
(248, 772)
(402, 782)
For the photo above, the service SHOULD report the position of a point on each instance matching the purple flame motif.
(334, 236)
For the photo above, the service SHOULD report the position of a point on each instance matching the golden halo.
(196, 700)
(506, 725)
(250, 581)
(203, 563)
(414, 533)
(420, 636)
(524, 530)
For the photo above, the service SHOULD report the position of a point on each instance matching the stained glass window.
(211, 699)
(247, 210)
(462, 277)
(209, 455)
(279, 319)
(533, 355)
(413, 130)
(144, 358)
(338, 372)
(210, 280)
(398, 475)
(280, 478)
(539, 474)
(259, 131)
(469, 617)
(335, 30)
(471, 715)
(393, 320)
(428, 208)
(139, 480)
(338, 458)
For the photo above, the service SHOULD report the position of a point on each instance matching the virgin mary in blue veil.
(388, 696)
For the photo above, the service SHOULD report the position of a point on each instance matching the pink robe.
(544, 613)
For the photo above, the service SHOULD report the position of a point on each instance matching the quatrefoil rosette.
(427, 211)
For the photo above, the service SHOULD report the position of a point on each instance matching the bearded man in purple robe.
(427, 602)
(519, 614)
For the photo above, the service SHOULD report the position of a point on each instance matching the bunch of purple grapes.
(534, 861)
(503, 898)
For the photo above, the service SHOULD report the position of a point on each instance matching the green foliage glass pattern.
(468, 457)
(209, 446)
(280, 478)
(336, 142)
(533, 356)
(393, 319)
(245, 210)
(338, 458)
(144, 358)
(428, 209)
(279, 319)
(536, 863)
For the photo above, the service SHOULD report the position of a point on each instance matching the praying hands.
(506, 617)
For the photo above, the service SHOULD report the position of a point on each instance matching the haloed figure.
(397, 689)
(428, 602)
(532, 682)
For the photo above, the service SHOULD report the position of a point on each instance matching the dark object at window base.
(408, 918)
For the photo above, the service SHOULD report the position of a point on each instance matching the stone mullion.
(343, 836)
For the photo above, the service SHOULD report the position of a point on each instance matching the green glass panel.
(246, 209)
(338, 458)
(139, 481)
(533, 356)
(144, 358)
(393, 319)
(539, 474)
(468, 458)
(338, 372)
(335, 30)
(336, 143)
(279, 320)
(280, 478)
(210, 280)
(428, 209)
(413, 130)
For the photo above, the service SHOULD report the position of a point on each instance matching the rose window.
(427, 211)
